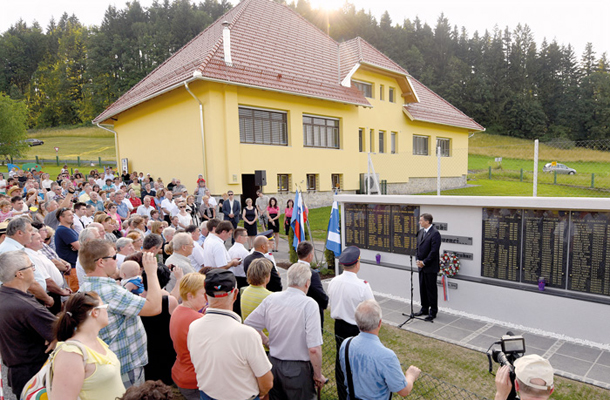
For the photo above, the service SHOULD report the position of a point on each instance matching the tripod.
(412, 315)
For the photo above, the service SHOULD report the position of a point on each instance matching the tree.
(13, 125)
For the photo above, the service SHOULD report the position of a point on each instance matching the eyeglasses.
(107, 257)
(28, 267)
(102, 307)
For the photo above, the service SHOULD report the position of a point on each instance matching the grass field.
(87, 142)
(456, 365)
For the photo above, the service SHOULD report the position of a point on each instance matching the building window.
(381, 89)
(393, 143)
(391, 95)
(262, 127)
(382, 141)
(445, 145)
(312, 182)
(283, 182)
(320, 132)
(420, 145)
(365, 88)
(371, 140)
(361, 140)
(337, 181)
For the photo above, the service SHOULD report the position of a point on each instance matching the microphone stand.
(412, 315)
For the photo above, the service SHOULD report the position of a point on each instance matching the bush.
(292, 252)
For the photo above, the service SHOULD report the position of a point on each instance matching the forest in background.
(68, 73)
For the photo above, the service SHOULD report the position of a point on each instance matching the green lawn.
(485, 187)
(87, 142)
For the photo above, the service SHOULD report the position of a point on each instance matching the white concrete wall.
(576, 319)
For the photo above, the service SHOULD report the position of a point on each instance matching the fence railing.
(60, 161)
(426, 387)
(559, 169)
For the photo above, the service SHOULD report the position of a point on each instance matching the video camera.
(512, 347)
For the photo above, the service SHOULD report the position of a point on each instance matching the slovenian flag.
(333, 240)
(297, 222)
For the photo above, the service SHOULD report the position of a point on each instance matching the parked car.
(34, 142)
(559, 168)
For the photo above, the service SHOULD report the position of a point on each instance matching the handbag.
(39, 385)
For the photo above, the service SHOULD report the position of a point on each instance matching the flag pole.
(308, 227)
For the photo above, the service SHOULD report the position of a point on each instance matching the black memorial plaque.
(378, 221)
(405, 223)
(501, 243)
(355, 225)
(590, 253)
(545, 247)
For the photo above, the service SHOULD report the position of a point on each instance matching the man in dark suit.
(261, 243)
(428, 246)
(231, 209)
(316, 290)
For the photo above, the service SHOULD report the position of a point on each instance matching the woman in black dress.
(250, 216)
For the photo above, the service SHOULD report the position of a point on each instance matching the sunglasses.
(102, 307)
(107, 257)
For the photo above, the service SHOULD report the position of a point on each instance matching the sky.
(574, 22)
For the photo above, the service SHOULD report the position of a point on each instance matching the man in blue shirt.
(375, 369)
(121, 207)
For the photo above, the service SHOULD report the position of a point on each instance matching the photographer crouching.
(533, 381)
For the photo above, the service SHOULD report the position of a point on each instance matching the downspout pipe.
(116, 144)
(186, 86)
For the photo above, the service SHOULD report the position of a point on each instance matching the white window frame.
(421, 145)
(365, 87)
(445, 145)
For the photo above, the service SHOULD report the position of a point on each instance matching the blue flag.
(298, 222)
(333, 241)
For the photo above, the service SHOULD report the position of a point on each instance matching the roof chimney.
(226, 40)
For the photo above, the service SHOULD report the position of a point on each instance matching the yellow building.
(263, 89)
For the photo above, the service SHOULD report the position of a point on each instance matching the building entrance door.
(248, 189)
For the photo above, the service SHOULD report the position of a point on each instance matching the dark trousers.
(18, 376)
(428, 293)
(242, 281)
(292, 380)
(343, 330)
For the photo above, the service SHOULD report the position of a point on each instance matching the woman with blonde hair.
(192, 292)
(83, 365)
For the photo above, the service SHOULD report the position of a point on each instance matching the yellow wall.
(162, 136)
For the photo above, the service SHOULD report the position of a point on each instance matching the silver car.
(559, 168)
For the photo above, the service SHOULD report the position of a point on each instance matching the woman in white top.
(184, 218)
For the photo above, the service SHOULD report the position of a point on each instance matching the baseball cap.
(219, 282)
(534, 367)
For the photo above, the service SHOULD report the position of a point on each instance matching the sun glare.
(328, 5)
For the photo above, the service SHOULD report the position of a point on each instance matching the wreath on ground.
(450, 265)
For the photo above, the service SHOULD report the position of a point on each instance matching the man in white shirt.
(239, 252)
(168, 206)
(145, 208)
(345, 293)
(79, 212)
(295, 337)
(88, 217)
(215, 253)
(228, 357)
(196, 256)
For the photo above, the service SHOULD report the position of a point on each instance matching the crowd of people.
(120, 281)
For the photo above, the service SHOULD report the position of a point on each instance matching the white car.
(559, 168)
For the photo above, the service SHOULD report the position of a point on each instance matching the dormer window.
(364, 87)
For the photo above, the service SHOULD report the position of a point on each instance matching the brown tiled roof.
(359, 50)
(274, 48)
(433, 108)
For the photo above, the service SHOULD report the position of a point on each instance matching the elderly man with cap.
(262, 245)
(533, 379)
(228, 357)
(295, 337)
(345, 292)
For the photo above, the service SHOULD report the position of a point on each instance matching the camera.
(511, 348)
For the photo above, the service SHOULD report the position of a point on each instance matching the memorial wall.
(569, 249)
